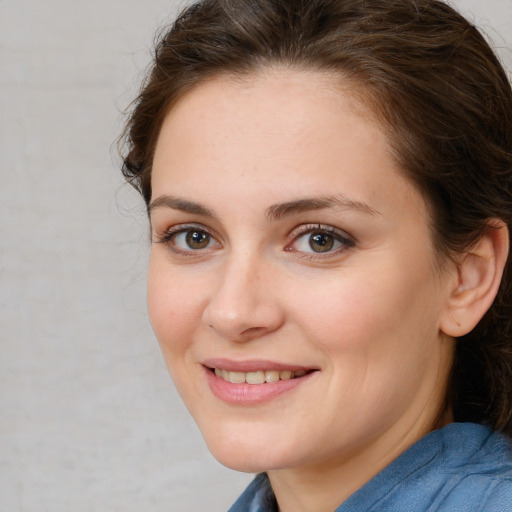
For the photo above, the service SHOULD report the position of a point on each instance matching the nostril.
(254, 331)
(241, 319)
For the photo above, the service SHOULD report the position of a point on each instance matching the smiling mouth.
(259, 376)
(254, 382)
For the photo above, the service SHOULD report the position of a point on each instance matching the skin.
(366, 315)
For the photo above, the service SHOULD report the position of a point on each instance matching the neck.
(325, 486)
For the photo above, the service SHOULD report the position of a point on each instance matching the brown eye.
(197, 239)
(190, 241)
(321, 242)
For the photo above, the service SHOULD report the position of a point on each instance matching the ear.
(478, 277)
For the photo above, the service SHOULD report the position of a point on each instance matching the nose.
(244, 304)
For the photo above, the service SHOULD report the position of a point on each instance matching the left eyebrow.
(279, 210)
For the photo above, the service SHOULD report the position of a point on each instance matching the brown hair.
(433, 81)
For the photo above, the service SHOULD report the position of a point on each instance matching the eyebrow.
(277, 211)
(274, 212)
(182, 205)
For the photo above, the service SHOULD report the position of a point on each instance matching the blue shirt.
(463, 467)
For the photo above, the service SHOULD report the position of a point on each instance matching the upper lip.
(253, 365)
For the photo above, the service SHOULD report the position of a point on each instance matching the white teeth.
(271, 376)
(257, 377)
(237, 377)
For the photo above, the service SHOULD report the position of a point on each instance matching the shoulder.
(499, 497)
(481, 475)
(478, 492)
(463, 467)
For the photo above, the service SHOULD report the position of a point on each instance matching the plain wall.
(89, 419)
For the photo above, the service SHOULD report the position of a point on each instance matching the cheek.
(174, 306)
(366, 313)
(378, 336)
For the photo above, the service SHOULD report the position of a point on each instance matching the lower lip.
(252, 394)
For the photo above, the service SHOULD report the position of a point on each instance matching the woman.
(329, 186)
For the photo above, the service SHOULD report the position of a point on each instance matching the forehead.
(271, 106)
(279, 132)
(283, 94)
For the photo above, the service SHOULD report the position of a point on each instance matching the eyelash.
(168, 238)
(345, 241)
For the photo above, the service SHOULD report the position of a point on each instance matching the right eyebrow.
(183, 205)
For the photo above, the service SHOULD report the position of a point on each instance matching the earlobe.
(479, 273)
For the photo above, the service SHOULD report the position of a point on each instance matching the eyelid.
(167, 236)
(347, 241)
(327, 228)
(343, 237)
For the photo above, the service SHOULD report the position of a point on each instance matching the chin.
(247, 452)
(242, 464)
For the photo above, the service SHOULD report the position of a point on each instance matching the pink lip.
(251, 394)
(253, 365)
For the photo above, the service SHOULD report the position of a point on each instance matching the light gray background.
(89, 419)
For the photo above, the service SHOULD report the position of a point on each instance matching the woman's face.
(293, 286)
